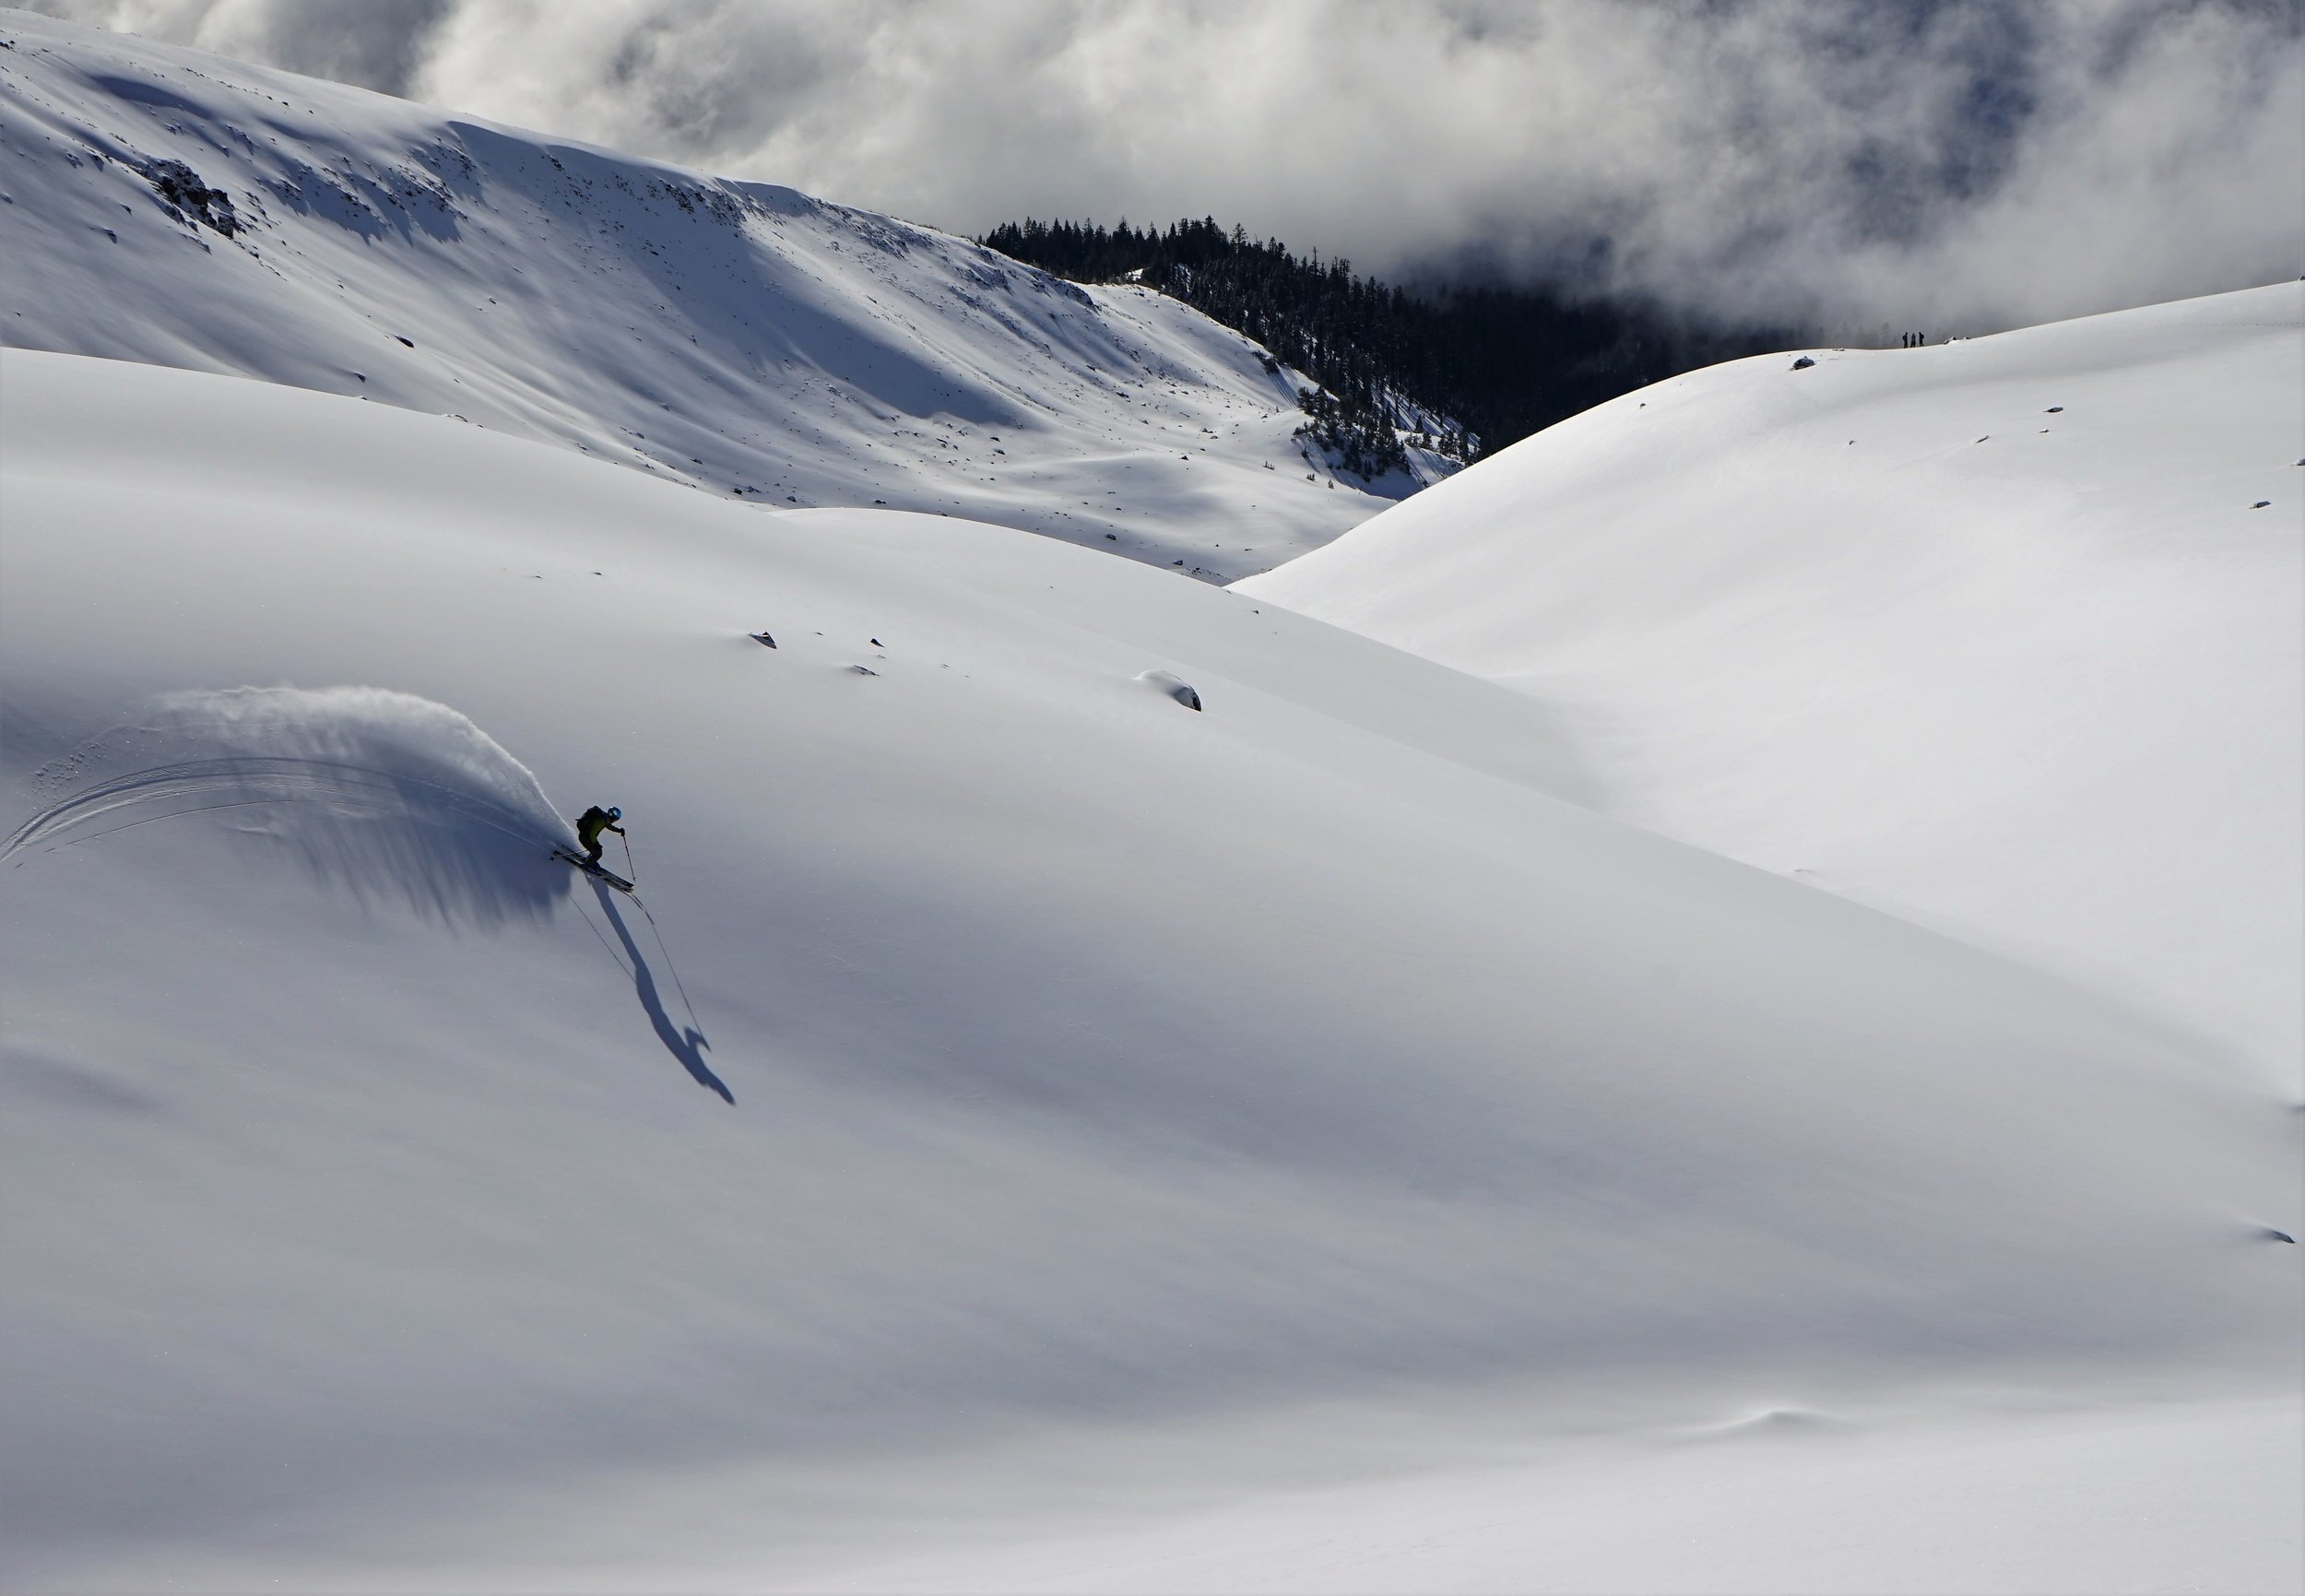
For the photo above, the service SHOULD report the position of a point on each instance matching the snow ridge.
(172, 207)
(2006, 636)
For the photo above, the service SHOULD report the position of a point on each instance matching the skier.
(591, 823)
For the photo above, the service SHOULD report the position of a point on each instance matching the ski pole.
(632, 871)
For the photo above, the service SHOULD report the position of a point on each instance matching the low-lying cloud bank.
(1947, 167)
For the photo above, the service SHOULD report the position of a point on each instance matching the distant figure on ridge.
(591, 823)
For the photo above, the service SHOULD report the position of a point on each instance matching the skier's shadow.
(688, 1043)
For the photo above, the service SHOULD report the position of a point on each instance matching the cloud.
(376, 43)
(1953, 166)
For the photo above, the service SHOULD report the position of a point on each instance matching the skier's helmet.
(615, 813)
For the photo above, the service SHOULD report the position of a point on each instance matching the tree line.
(1466, 370)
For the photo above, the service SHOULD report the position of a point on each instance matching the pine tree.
(1494, 363)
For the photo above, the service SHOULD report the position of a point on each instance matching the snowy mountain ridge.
(2006, 636)
(173, 208)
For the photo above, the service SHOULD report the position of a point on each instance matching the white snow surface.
(1778, 1503)
(1026, 1128)
(2006, 636)
(1108, 1082)
(741, 337)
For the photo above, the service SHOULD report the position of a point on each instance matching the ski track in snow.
(381, 792)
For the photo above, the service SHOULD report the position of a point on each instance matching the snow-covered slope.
(1015, 1099)
(2008, 636)
(741, 337)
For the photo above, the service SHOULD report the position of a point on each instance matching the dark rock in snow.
(1173, 685)
(1803, 364)
(190, 198)
(763, 638)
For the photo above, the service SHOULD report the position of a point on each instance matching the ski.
(585, 865)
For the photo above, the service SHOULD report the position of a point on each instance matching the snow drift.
(2006, 636)
(1123, 1097)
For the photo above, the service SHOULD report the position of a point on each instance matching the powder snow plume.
(380, 792)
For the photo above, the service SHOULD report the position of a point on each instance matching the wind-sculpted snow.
(2007, 635)
(381, 793)
(1104, 1089)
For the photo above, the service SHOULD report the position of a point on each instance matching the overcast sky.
(1953, 167)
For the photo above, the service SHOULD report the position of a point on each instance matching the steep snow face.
(170, 207)
(1015, 1092)
(2003, 635)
